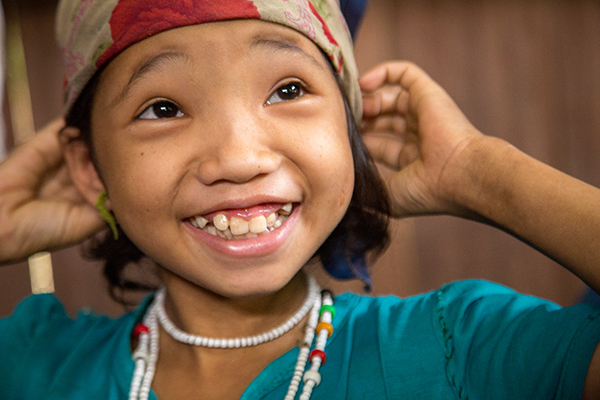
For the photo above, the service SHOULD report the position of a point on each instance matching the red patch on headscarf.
(336, 62)
(134, 20)
(325, 27)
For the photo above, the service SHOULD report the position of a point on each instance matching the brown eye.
(289, 91)
(161, 110)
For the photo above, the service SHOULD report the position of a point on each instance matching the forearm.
(555, 213)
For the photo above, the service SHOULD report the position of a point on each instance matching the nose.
(236, 149)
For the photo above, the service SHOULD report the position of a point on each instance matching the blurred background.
(526, 71)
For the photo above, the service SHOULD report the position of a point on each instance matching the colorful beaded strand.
(153, 357)
(324, 329)
(319, 324)
(145, 356)
(140, 356)
(309, 335)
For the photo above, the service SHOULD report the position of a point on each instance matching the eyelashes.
(161, 109)
(287, 92)
(166, 109)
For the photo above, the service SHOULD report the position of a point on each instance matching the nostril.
(208, 171)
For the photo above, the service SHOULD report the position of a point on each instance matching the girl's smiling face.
(233, 119)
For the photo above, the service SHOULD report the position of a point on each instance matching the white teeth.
(286, 209)
(220, 222)
(238, 226)
(271, 219)
(258, 224)
(201, 221)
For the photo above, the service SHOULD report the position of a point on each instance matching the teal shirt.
(468, 340)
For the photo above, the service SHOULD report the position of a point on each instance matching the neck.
(208, 369)
(199, 311)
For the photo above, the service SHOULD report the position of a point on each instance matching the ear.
(79, 162)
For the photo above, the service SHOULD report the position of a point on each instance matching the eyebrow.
(284, 44)
(149, 65)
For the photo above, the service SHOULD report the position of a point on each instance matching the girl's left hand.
(412, 126)
(441, 164)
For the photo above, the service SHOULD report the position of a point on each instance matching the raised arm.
(40, 209)
(444, 165)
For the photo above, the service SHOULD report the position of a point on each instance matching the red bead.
(140, 328)
(318, 353)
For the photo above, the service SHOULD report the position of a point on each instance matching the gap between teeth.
(238, 228)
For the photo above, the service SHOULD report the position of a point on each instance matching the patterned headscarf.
(92, 32)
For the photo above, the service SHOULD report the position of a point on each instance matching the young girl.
(219, 141)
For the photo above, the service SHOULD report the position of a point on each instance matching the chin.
(241, 284)
(258, 284)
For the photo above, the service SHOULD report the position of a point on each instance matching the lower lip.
(259, 246)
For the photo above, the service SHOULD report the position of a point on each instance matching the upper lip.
(236, 204)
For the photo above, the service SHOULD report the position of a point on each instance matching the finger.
(385, 100)
(58, 185)
(403, 73)
(71, 225)
(385, 123)
(83, 222)
(384, 149)
(416, 82)
(47, 144)
(28, 162)
(386, 73)
(391, 151)
(410, 152)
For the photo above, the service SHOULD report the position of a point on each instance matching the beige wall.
(526, 71)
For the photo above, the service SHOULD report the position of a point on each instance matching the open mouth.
(236, 226)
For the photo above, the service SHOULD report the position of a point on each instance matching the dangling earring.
(106, 215)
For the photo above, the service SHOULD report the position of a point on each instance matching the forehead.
(218, 44)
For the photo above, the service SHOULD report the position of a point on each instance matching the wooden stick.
(23, 129)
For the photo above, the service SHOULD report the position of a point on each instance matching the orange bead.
(325, 325)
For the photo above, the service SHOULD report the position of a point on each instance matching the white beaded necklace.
(146, 353)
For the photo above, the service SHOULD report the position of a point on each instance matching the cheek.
(332, 173)
(346, 180)
(138, 188)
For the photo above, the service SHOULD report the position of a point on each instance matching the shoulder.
(398, 343)
(457, 297)
(426, 318)
(41, 314)
(477, 309)
(32, 316)
(464, 337)
(41, 341)
(486, 329)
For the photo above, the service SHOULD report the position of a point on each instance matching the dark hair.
(362, 230)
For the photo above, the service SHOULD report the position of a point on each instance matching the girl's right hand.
(40, 208)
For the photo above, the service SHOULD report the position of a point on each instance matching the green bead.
(327, 307)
